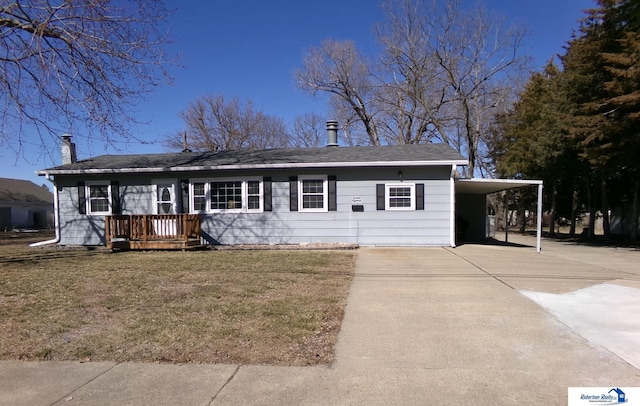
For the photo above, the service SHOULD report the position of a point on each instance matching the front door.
(165, 197)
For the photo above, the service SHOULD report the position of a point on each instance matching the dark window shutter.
(82, 199)
(333, 198)
(293, 193)
(420, 196)
(184, 195)
(266, 188)
(380, 196)
(115, 198)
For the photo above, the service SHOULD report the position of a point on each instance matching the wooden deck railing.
(149, 231)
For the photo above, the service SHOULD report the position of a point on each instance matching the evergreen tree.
(603, 82)
(531, 141)
(579, 128)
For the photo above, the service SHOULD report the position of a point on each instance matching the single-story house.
(401, 195)
(23, 204)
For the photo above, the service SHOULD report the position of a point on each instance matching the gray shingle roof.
(23, 191)
(422, 154)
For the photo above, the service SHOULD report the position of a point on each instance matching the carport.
(471, 204)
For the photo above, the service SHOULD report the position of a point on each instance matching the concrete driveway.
(474, 325)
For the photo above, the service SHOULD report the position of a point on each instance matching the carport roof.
(481, 186)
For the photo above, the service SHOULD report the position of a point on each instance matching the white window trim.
(245, 195)
(88, 197)
(325, 193)
(156, 183)
(192, 196)
(387, 197)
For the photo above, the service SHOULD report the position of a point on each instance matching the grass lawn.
(248, 307)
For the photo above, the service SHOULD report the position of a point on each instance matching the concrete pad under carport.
(528, 270)
(610, 258)
(563, 266)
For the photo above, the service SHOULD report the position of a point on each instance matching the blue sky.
(250, 48)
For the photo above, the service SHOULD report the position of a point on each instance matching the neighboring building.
(23, 204)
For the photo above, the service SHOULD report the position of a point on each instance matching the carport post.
(506, 215)
(539, 225)
(452, 208)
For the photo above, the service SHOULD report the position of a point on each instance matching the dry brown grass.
(247, 307)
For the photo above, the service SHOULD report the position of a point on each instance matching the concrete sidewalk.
(422, 326)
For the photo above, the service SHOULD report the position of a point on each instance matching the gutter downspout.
(56, 217)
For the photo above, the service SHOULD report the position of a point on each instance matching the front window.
(228, 195)
(99, 201)
(313, 193)
(199, 197)
(400, 197)
(254, 195)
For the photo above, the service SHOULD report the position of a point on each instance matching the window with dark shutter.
(400, 196)
(95, 197)
(313, 193)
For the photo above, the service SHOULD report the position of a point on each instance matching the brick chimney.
(332, 133)
(68, 150)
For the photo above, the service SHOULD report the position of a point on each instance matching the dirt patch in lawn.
(278, 307)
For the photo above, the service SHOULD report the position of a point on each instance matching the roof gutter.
(56, 217)
(247, 166)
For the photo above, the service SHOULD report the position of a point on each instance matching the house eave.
(312, 165)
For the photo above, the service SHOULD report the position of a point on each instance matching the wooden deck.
(153, 232)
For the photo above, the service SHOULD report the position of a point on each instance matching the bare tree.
(215, 123)
(482, 67)
(443, 73)
(336, 67)
(414, 94)
(63, 63)
(309, 131)
(352, 131)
